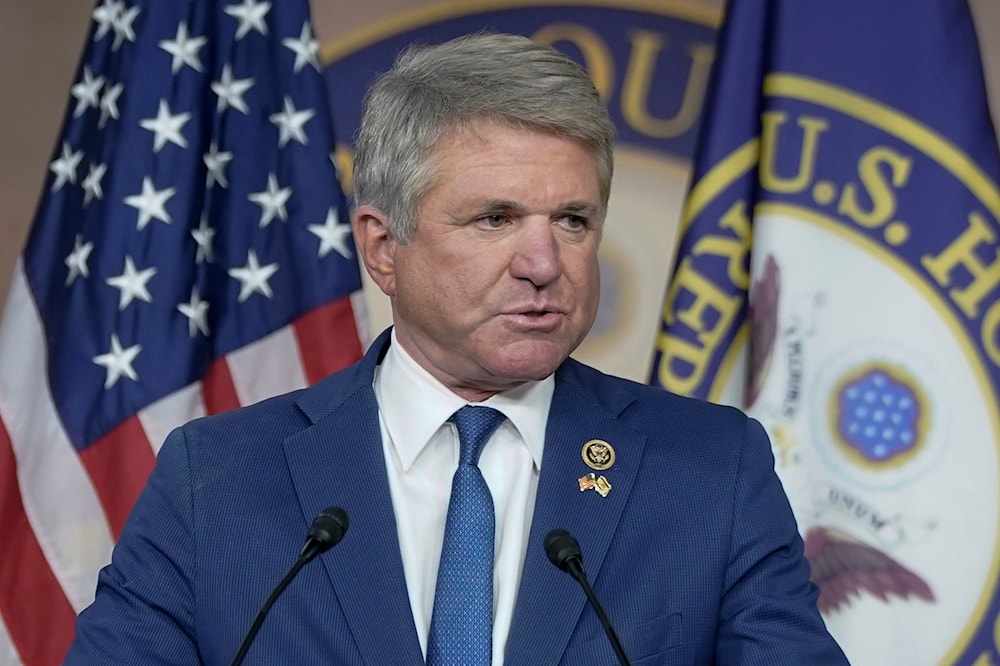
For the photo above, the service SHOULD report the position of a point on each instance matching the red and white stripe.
(60, 511)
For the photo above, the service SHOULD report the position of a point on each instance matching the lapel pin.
(598, 454)
(593, 482)
(602, 486)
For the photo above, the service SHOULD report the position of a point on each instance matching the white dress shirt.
(421, 454)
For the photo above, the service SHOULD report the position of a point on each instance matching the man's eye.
(495, 221)
(574, 222)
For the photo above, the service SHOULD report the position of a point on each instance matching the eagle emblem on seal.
(598, 454)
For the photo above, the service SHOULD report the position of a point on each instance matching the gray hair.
(432, 91)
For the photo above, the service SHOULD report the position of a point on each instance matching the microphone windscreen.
(329, 526)
(561, 548)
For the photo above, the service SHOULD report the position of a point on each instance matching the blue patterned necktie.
(462, 621)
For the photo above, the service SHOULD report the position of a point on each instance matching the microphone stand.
(563, 550)
(575, 568)
(262, 613)
(326, 531)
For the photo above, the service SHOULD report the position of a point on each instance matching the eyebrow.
(582, 208)
(501, 205)
(579, 208)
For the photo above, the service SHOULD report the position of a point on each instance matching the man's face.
(500, 281)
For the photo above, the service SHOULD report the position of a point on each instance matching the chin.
(531, 361)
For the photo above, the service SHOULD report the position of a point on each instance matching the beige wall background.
(40, 46)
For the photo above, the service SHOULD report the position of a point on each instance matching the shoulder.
(641, 403)
(256, 428)
(697, 435)
(297, 409)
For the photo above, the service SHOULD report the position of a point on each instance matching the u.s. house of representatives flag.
(838, 275)
(191, 253)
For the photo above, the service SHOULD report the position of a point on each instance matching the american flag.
(191, 253)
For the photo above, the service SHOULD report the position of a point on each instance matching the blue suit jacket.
(694, 552)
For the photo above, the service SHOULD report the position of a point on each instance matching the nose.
(536, 253)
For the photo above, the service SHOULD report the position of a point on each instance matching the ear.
(377, 246)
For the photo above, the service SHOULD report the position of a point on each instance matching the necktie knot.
(475, 424)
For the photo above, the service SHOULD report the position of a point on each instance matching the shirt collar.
(414, 405)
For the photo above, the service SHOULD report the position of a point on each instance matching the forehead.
(478, 133)
(495, 156)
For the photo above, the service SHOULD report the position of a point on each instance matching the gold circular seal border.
(588, 449)
(937, 148)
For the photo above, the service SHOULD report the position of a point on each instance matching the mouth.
(536, 320)
(539, 310)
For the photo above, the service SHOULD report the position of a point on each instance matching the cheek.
(595, 273)
(443, 287)
(470, 278)
(585, 273)
(587, 283)
(415, 286)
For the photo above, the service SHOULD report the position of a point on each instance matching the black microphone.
(564, 552)
(326, 531)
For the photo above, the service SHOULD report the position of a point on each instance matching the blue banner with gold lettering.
(648, 60)
(838, 276)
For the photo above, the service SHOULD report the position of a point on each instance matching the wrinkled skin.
(499, 282)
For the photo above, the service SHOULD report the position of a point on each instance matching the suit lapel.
(339, 461)
(548, 597)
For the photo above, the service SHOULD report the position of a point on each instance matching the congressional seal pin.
(598, 454)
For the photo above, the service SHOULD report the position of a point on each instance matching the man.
(482, 176)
